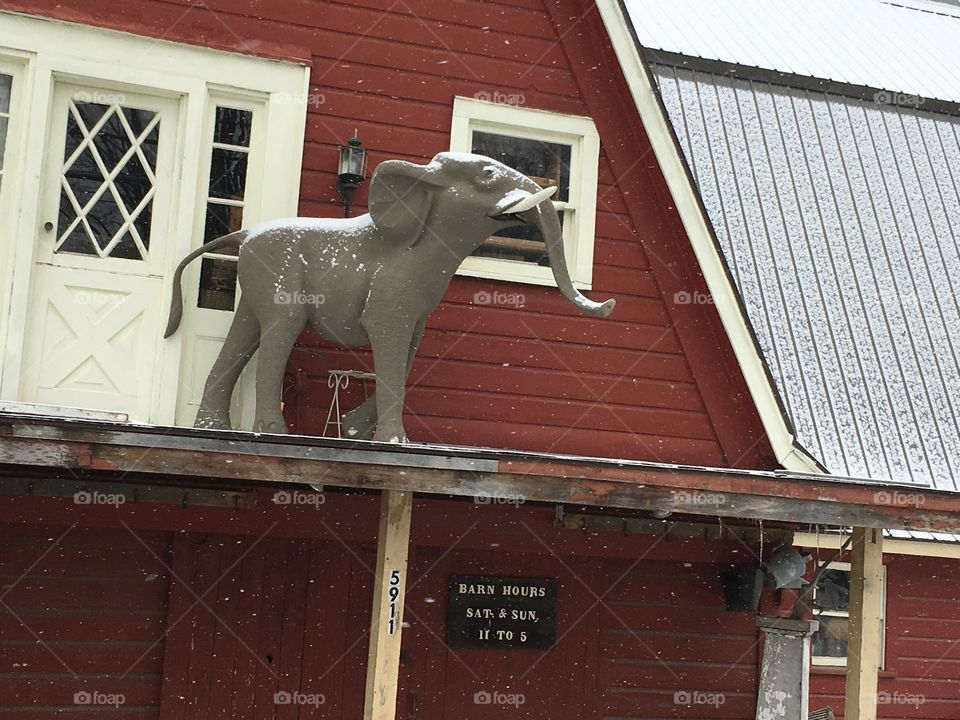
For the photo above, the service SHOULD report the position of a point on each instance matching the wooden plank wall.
(83, 612)
(669, 647)
(267, 628)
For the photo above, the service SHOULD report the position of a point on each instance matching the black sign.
(501, 612)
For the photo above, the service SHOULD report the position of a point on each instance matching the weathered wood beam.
(660, 489)
(389, 587)
(864, 640)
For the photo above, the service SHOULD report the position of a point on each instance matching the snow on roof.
(908, 46)
(840, 222)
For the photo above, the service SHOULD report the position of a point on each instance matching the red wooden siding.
(921, 675)
(656, 381)
(254, 617)
(670, 648)
(83, 611)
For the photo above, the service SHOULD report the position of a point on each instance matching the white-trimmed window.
(831, 606)
(554, 150)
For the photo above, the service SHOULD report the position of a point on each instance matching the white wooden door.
(94, 329)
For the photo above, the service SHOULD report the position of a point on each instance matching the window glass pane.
(228, 173)
(107, 180)
(6, 86)
(831, 639)
(833, 591)
(546, 163)
(218, 283)
(523, 243)
(232, 126)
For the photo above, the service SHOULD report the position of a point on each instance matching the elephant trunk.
(544, 216)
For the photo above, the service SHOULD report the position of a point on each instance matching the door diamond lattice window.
(108, 180)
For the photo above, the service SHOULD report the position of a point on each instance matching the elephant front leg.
(362, 420)
(390, 350)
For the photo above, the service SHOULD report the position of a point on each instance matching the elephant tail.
(176, 303)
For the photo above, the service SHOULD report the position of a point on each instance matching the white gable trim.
(697, 226)
(920, 548)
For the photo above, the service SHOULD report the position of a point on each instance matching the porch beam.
(104, 453)
(864, 641)
(383, 658)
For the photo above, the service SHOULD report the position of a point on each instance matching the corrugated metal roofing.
(912, 46)
(840, 221)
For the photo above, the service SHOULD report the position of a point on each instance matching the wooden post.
(864, 639)
(383, 659)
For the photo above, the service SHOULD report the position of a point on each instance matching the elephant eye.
(488, 172)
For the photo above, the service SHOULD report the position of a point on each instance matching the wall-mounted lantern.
(351, 171)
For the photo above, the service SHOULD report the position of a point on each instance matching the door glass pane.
(233, 126)
(108, 181)
(6, 86)
(3, 138)
(225, 202)
(228, 173)
(548, 165)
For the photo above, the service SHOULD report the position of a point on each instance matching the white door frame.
(54, 51)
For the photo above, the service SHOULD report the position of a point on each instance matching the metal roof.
(840, 222)
(908, 46)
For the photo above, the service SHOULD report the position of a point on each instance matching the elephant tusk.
(517, 201)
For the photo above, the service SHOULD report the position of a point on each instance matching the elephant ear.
(401, 197)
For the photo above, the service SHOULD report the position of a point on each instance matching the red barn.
(591, 479)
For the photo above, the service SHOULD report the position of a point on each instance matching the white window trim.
(581, 134)
(52, 51)
(836, 662)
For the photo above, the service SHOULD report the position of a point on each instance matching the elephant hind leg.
(276, 342)
(241, 342)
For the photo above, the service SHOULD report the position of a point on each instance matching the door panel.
(102, 249)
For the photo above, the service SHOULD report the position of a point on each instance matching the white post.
(864, 639)
(383, 659)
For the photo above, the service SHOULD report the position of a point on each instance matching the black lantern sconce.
(351, 171)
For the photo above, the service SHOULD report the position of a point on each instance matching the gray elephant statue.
(370, 280)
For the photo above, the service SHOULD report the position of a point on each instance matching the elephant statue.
(370, 280)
